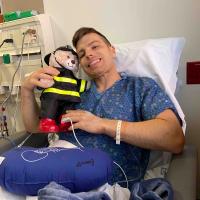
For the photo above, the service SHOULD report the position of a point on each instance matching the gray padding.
(17, 138)
(182, 174)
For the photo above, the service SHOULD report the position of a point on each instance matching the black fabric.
(37, 140)
(63, 48)
(52, 108)
(65, 87)
(52, 104)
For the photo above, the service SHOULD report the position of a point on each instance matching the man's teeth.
(94, 62)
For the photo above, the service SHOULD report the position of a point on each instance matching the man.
(133, 112)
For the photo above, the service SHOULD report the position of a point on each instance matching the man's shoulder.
(141, 81)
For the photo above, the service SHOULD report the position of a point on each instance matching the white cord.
(122, 172)
(13, 77)
(15, 112)
(28, 52)
(25, 140)
(16, 103)
(67, 120)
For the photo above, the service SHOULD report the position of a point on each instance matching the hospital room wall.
(130, 20)
(10, 6)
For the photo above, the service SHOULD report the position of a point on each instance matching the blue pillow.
(25, 170)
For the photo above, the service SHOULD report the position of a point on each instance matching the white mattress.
(4, 195)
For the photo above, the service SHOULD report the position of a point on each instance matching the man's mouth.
(94, 62)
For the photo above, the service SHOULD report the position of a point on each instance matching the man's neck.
(106, 81)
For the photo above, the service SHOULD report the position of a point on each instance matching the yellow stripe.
(64, 92)
(66, 80)
(82, 87)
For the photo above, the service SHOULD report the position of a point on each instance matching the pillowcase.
(25, 170)
(154, 58)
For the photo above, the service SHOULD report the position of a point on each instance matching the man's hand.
(85, 120)
(34, 79)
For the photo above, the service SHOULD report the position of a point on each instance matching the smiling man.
(124, 116)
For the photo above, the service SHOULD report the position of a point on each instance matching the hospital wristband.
(118, 131)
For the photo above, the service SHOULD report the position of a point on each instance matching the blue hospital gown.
(129, 99)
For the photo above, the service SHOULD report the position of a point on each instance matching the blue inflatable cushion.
(25, 170)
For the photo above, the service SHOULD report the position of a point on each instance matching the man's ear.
(113, 51)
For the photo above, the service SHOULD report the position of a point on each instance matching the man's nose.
(88, 53)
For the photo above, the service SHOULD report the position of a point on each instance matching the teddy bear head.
(63, 57)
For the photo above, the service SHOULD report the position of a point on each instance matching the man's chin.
(96, 75)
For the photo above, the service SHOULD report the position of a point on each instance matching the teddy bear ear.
(46, 58)
(69, 47)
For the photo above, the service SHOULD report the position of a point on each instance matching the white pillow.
(155, 58)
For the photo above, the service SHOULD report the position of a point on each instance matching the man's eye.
(80, 55)
(94, 47)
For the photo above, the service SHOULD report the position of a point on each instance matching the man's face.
(95, 56)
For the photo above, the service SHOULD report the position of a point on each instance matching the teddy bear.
(63, 92)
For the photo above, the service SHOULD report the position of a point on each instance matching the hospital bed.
(182, 172)
(158, 59)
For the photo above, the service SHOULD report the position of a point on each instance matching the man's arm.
(29, 106)
(161, 133)
(30, 110)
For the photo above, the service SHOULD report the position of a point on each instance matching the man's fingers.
(38, 83)
(45, 76)
(73, 118)
(50, 70)
(75, 126)
(76, 112)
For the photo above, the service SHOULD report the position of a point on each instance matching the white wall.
(128, 20)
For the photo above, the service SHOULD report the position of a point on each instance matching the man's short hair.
(84, 31)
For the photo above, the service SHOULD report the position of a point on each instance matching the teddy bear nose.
(73, 61)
